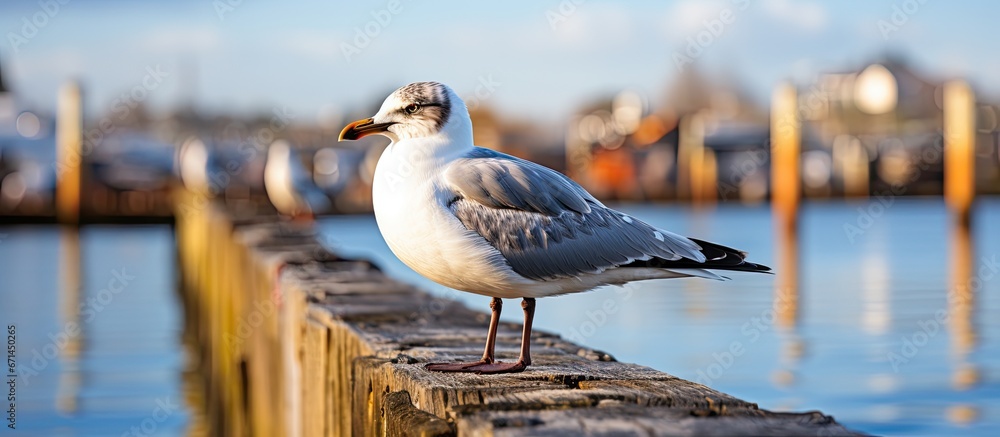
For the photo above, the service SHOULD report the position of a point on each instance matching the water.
(122, 370)
(877, 330)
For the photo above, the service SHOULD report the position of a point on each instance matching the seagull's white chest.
(410, 205)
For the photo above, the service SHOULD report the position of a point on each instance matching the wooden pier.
(297, 341)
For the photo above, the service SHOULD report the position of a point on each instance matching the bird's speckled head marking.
(420, 109)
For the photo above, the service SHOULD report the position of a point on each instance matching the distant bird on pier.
(289, 186)
(195, 166)
(480, 221)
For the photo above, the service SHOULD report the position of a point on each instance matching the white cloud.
(805, 15)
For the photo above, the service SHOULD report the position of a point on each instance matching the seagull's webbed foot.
(456, 367)
(480, 367)
(498, 367)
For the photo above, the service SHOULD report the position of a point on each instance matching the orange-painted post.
(69, 154)
(704, 175)
(959, 149)
(785, 154)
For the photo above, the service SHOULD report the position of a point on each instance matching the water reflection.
(961, 307)
(786, 284)
(70, 300)
(786, 304)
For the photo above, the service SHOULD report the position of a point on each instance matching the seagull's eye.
(412, 108)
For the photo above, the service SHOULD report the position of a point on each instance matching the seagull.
(197, 167)
(480, 221)
(289, 187)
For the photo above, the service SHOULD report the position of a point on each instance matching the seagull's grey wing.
(497, 180)
(547, 226)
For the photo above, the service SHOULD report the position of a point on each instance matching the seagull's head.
(417, 110)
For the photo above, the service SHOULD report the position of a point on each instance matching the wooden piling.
(298, 341)
(690, 156)
(959, 149)
(785, 155)
(69, 153)
(704, 177)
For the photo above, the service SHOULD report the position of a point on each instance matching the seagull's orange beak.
(362, 128)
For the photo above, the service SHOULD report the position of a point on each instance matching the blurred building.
(879, 127)
(622, 148)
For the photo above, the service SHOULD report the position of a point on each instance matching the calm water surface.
(886, 318)
(122, 370)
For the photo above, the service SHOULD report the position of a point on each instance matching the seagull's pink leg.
(491, 367)
(496, 305)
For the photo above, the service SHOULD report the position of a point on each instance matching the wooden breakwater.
(297, 341)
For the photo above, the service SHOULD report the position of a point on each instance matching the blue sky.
(544, 61)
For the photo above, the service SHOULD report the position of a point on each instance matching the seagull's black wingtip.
(717, 257)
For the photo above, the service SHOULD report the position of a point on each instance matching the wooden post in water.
(785, 153)
(704, 176)
(691, 158)
(850, 161)
(698, 162)
(959, 149)
(69, 154)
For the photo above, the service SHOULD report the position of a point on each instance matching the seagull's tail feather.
(717, 257)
